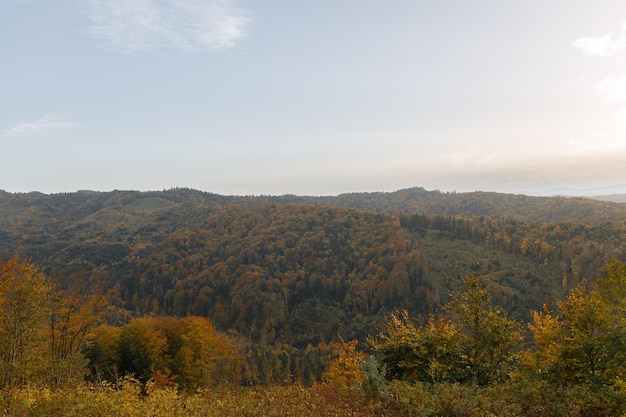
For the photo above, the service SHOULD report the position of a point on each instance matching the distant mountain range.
(615, 193)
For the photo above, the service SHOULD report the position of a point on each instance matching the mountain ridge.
(300, 270)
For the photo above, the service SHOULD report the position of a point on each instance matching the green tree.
(585, 337)
(583, 343)
(428, 353)
(480, 349)
(580, 347)
(491, 337)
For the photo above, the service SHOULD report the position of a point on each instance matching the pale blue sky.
(319, 97)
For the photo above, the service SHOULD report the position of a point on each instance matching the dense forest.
(193, 289)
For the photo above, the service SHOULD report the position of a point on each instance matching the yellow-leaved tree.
(42, 329)
(581, 345)
(584, 340)
(345, 372)
(206, 357)
(25, 295)
(476, 345)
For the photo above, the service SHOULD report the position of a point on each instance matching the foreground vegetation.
(417, 400)
(58, 358)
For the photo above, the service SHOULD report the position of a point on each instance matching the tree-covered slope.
(498, 205)
(281, 277)
(298, 273)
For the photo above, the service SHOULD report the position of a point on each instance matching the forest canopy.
(182, 290)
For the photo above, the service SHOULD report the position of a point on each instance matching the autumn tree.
(143, 348)
(206, 358)
(427, 353)
(490, 336)
(611, 286)
(475, 346)
(25, 295)
(345, 372)
(189, 352)
(43, 330)
(582, 343)
(72, 317)
(103, 353)
(579, 348)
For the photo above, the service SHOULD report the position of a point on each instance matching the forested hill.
(73, 206)
(300, 270)
(508, 206)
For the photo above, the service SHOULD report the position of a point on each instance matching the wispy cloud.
(47, 126)
(613, 88)
(139, 26)
(605, 45)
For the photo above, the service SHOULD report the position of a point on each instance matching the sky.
(243, 97)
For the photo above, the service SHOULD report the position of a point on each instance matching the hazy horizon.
(617, 190)
(242, 98)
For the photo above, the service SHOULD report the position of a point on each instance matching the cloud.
(48, 125)
(605, 45)
(613, 88)
(139, 26)
(600, 46)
